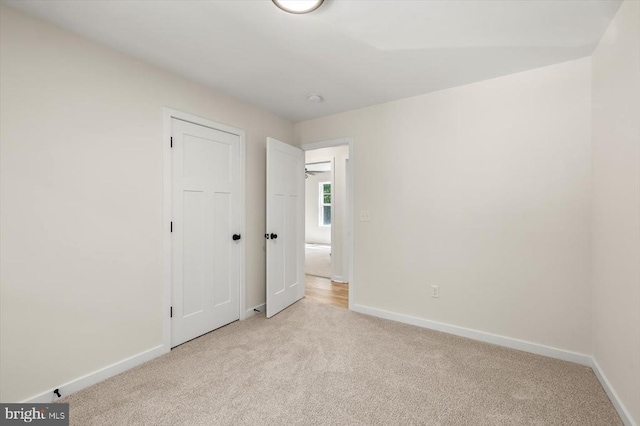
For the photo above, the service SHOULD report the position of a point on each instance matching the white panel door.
(285, 225)
(205, 216)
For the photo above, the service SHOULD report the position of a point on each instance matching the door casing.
(168, 115)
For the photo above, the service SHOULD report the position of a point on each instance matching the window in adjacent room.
(325, 203)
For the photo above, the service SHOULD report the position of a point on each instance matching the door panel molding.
(168, 115)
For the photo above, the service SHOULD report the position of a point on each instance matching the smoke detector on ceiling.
(314, 98)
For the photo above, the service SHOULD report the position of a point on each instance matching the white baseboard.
(99, 375)
(495, 339)
(250, 312)
(613, 396)
(112, 370)
(136, 360)
(509, 342)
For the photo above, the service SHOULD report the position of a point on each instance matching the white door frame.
(328, 144)
(333, 228)
(168, 114)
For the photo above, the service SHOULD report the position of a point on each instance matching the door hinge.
(171, 312)
(171, 142)
(171, 227)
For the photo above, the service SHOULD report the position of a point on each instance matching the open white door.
(285, 225)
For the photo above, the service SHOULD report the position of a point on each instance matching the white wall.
(81, 194)
(314, 233)
(483, 190)
(339, 253)
(616, 205)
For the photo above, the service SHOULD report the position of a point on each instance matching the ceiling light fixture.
(314, 98)
(298, 6)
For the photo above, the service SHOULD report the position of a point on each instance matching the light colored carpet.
(317, 260)
(315, 364)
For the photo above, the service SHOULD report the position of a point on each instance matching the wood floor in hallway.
(324, 290)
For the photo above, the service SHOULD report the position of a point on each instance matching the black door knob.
(274, 236)
(236, 237)
(266, 236)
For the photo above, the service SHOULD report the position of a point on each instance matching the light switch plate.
(365, 216)
(435, 291)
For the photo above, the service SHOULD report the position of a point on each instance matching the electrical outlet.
(365, 216)
(435, 291)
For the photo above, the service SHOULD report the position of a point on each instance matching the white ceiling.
(355, 53)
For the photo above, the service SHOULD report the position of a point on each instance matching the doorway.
(327, 225)
(285, 226)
